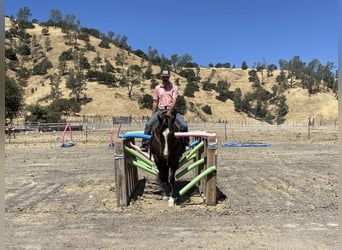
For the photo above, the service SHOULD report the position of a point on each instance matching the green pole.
(195, 149)
(185, 160)
(143, 166)
(196, 179)
(189, 168)
(139, 156)
(147, 166)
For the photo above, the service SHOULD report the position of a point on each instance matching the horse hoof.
(171, 202)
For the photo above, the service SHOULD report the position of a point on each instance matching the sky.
(215, 31)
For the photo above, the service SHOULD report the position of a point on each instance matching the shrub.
(42, 67)
(181, 104)
(66, 55)
(24, 50)
(11, 55)
(207, 109)
(146, 101)
(104, 44)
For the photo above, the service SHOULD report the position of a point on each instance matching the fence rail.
(103, 122)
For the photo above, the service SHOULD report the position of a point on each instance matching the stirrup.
(144, 148)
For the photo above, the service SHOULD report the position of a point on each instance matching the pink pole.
(111, 135)
(66, 126)
(139, 150)
(194, 134)
(118, 132)
(70, 131)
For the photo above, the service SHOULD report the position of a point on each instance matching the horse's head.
(163, 121)
(161, 134)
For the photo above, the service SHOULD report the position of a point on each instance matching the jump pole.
(203, 167)
(197, 179)
(127, 160)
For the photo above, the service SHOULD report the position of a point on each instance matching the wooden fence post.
(211, 193)
(120, 175)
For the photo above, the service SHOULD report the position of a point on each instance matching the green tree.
(270, 69)
(260, 67)
(55, 81)
(181, 104)
(244, 65)
(14, 98)
(282, 79)
(42, 67)
(42, 114)
(55, 17)
(148, 74)
(111, 35)
(104, 44)
(47, 43)
(146, 101)
(282, 109)
(328, 76)
(174, 60)
(237, 99)
(183, 61)
(67, 106)
(76, 83)
(294, 67)
(23, 18)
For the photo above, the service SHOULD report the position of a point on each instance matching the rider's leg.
(148, 127)
(183, 127)
(182, 123)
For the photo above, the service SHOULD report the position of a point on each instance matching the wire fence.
(104, 122)
(104, 129)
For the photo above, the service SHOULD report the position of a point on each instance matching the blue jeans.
(154, 117)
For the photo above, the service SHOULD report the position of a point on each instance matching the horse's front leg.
(172, 186)
(165, 190)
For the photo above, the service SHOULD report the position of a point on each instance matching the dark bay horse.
(167, 151)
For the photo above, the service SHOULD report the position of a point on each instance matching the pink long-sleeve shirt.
(165, 94)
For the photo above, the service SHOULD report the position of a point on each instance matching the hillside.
(114, 101)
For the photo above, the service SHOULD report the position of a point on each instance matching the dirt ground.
(283, 196)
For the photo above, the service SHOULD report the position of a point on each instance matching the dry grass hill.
(115, 101)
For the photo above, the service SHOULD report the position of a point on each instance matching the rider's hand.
(169, 112)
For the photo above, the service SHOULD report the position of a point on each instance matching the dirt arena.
(283, 196)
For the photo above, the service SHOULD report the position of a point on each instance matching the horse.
(167, 151)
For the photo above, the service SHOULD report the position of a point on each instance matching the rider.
(164, 97)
